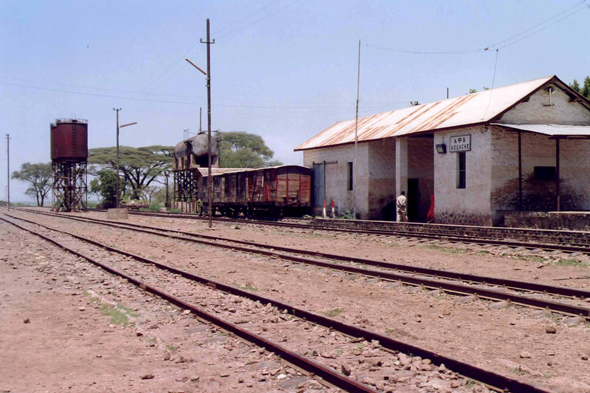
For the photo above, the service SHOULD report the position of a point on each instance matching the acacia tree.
(584, 89)
(39, 177)
(244, 150)
(140, 166)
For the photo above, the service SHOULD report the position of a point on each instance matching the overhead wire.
(487, 48)
(180, 60)
(334, 107)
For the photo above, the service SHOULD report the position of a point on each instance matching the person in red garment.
(430, 215)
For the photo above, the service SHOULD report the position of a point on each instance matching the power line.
(456, 52)
(544, 28)
(243, 19)
(179, 60)
(487, 48)
(258, 20)
(537, 25)
(170, 102)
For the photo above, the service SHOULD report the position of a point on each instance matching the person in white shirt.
(402, 206)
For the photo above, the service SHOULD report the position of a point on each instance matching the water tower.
(69, 158)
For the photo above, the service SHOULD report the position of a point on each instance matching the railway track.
(388, 345)
(491, 288)
(465, 237)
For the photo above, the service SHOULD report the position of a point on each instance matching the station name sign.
(460, 143)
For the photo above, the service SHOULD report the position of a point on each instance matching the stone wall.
(470, 205)
(579, 221)
(461, 231)
(539, 150)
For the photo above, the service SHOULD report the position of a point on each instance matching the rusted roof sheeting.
(454, 112)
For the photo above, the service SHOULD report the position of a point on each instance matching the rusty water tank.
(69, 140)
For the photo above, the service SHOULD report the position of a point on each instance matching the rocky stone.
(525, 355)
(571, 321)
(465, 299)
(345, 370)
(550, 330)
(27, 320)
(147, 376)
(499, 305)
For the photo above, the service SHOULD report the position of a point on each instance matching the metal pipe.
(356, 139)
(117, 187)
(8, 168)
(210, 180)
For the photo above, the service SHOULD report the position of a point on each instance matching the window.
(544, 173)
(461, 164)
(349, 176)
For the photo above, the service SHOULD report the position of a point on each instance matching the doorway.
(413, 199)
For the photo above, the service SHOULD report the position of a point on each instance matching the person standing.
(402, 207)
(430, 215)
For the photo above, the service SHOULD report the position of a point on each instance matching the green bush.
(92, 205)
(174, 211)
(155, 207)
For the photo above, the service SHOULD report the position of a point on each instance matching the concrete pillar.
(401, 165)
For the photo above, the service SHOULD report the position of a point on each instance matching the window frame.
(461, 170)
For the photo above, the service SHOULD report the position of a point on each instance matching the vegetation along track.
(449, 281)
(450, 233)
(496, 381)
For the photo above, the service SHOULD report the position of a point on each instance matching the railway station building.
(481, 158)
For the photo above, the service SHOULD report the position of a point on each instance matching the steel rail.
(471, 278)
(492, 379)
(569, 248)
(418, 281)
(304, 363)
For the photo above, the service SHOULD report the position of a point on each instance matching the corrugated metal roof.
(454, 112)
(550, 129)
(204, 171)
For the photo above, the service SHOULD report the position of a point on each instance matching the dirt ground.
(509, 340)
(66, 326)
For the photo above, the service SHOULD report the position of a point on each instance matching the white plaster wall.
(538, 150)
(336, 176)
(535, 110)
(472, 204)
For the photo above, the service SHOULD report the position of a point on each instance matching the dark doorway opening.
(413, 199)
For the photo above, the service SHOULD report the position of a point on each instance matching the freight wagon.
(274, 191)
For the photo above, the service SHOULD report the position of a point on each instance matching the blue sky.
(284, 69)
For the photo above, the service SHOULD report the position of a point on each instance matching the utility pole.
(200, 120)
(209, 179)
(8, 168)
(117, 110)
(356, 138)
